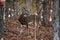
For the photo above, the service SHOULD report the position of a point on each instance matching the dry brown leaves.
(12, 31)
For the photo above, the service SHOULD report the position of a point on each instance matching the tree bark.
(45, 12)
(1, 21)
(55, 23)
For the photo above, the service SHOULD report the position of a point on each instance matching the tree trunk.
(45, 12)
(55, 23)
(1, 21)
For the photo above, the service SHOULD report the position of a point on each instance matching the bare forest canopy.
(32, 6)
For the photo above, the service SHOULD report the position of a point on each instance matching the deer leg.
(27, 25)
(27, 22)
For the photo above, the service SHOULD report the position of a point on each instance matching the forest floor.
(13, 31)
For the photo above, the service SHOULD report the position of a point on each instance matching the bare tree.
(55, 23)
(1, 21)
(45, 14)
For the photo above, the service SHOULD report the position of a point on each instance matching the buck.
(24, 19)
